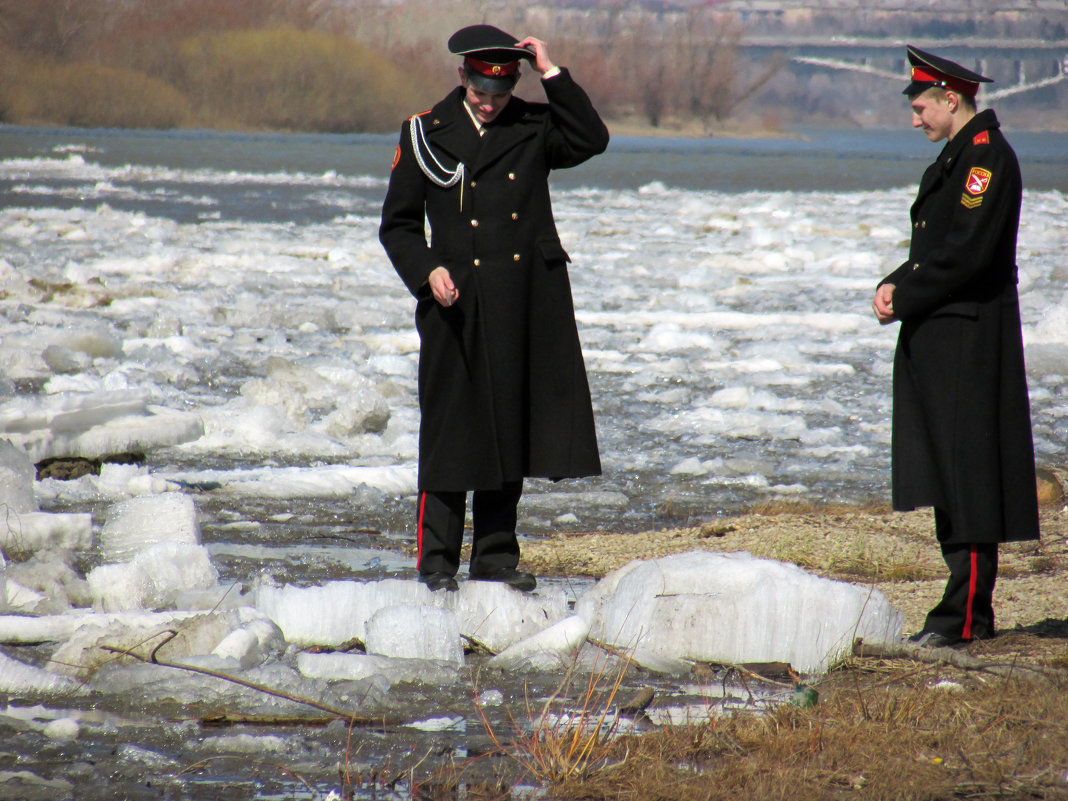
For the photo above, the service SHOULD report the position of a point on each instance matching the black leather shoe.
(510, 576)
(439, 581)
(932, 639)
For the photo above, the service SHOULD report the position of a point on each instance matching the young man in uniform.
(961, 439)
(503, 392)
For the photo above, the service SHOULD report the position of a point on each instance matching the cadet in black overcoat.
(961, 439)
(503, 392)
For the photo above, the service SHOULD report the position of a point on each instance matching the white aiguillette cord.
(419, 143)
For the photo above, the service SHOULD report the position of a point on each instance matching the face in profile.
(931, 112)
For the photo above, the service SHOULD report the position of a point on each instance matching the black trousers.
(440, 529)
(967, 606)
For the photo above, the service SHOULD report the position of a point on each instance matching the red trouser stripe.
(419, 529)
(972, 579)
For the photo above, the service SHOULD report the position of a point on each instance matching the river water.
(722, 288)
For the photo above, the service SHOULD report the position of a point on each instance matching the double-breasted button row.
(516, 257)
(920, 224)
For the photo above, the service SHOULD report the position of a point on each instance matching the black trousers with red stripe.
(966, 610)
(440, 529)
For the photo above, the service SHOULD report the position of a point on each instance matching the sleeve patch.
(981, 138)
(396, 158)
(970, 202)
(978, 181)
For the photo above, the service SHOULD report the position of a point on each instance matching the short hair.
(968, 101)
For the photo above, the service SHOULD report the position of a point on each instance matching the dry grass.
(883, 729)
(571, 736)
(880, 731)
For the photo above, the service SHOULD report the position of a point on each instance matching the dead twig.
(609, 649)
(954, 658)
(154, 659)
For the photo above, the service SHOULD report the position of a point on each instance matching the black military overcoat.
(961, 420)
(503, 392)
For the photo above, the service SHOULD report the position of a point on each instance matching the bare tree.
(709, 43)
(54, 30)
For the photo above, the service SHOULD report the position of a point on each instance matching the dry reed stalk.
(555, 747)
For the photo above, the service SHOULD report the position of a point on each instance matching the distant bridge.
(1028, 63)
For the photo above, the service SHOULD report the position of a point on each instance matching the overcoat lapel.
(451, 132)
(935, 174)
(932, 179)
(497, 143)
(500, 139)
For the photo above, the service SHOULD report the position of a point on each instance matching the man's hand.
(542, 64)
(883, 305)
(445, 291)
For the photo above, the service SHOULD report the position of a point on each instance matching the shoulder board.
(981, 138)
(420, 114)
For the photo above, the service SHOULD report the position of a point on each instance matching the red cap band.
(492, 70)
(945, 81)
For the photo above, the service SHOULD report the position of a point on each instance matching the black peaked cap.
(487, 43)
(930, 70)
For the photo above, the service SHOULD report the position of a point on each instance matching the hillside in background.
(364, 65)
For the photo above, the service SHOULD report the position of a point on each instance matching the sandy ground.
(895, 552)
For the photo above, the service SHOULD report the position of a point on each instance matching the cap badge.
(495, 70)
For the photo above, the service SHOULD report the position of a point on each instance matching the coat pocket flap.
(551, 250)
(960, 308)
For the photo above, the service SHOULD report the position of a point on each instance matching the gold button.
(916, 266)
(515, 215)
(511, 176)
(477, 262)
(515, 257)
(474, 223)
(474, 184)
(923, 224)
